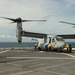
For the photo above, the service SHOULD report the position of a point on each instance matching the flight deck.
(33, 62)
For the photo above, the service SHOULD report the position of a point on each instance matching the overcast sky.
(51, 10)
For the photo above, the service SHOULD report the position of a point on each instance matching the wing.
(35, 35)
(40, 35)
(68, 36)
(67, 22)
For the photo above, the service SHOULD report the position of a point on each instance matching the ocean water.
(16, 45)
(23, 44)
(72, 44)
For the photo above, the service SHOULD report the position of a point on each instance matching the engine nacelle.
(19, 35)
(19, 38)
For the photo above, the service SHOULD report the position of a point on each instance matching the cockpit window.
(53, 40)
(49, 40)
(59, 39)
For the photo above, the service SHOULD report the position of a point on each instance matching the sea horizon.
(23, 44)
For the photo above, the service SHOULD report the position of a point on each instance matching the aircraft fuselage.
(55, 41)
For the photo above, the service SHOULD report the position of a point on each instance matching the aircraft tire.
(61, 49)
(39, 49)
(49, 49)
(70, 50)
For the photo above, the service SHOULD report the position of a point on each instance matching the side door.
(53, 42)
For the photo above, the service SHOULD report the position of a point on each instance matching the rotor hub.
(18, 20)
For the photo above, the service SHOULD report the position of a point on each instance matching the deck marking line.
(38, 58)
(69, 55)
(4, 51)
(54, 72)
(2, 71)
(24, 72)
(55, 65)
(36, 65)
(15, 64)
(41, 68)
(19, 72)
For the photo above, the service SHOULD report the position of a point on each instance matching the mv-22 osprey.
(57, 41)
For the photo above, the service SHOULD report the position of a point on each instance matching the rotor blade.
(12, 22)
(73, 27)
(67, 22)
(9, 18)
(32, 20)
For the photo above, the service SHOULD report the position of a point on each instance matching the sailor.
(36, 46)
(46, 47)
(70, 47)
(49, 46)
(67, 46)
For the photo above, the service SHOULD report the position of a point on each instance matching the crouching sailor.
(36, 46)
(49, 46)
(68, 47)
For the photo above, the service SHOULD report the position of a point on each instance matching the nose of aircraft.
(60, 44)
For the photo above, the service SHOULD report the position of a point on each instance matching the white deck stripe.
(38, 58)
(69, 55)
(36, 65)
(4, 51)
(54, 72)
(15, 64)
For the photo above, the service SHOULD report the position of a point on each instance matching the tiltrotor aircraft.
(56, 40)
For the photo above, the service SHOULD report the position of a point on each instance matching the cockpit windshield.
(59, 39)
